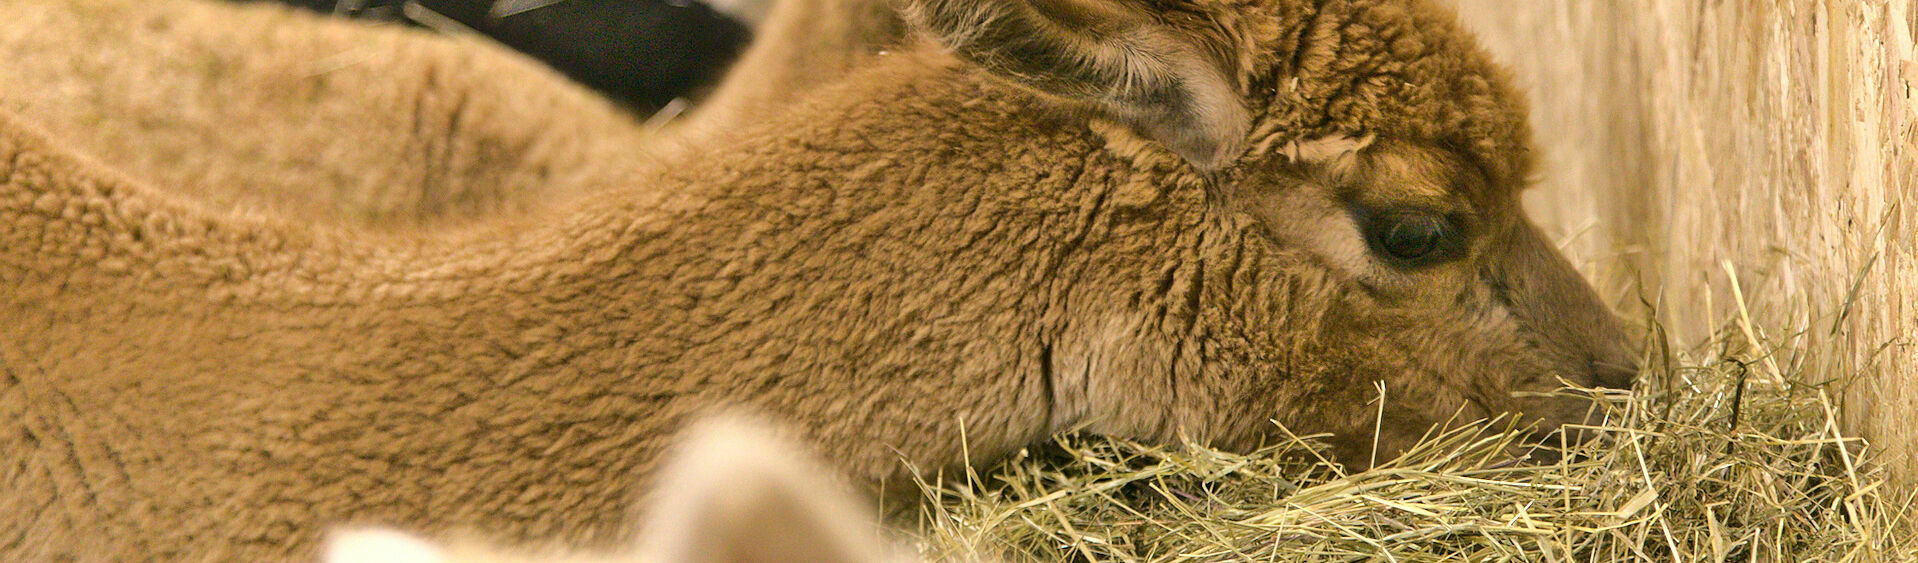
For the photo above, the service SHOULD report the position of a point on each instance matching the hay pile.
(1724, 453)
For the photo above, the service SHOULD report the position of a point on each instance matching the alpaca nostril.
(1614, 375)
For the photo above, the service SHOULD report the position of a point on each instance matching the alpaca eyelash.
(1376, 225)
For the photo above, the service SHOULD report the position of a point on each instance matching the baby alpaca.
(1180, 220)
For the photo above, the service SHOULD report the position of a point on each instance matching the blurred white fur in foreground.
(733, 493)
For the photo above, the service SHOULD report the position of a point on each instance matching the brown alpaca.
(258, 108)
(1186, 223)
(263, 108)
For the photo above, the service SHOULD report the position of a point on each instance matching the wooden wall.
(1776, 136)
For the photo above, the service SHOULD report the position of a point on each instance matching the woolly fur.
(921, 262)
(259, 108)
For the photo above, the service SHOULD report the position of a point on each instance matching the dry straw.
(1715, 457)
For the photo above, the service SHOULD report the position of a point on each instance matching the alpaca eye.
(1414, 238)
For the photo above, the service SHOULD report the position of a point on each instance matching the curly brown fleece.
(927, 261)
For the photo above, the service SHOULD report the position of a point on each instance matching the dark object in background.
(644, 52)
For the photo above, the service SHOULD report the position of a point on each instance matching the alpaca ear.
(1133, 68)
(735, 493)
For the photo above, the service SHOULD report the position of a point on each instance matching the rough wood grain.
(1773, 136)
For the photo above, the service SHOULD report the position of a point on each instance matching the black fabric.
(646, 52)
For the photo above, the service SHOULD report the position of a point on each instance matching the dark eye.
(1413, 238)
